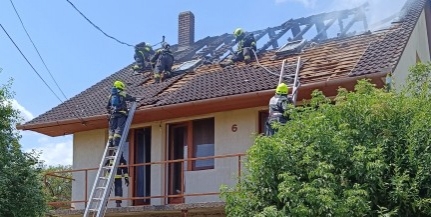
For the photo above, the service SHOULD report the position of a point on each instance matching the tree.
(367, 154)
(58, 185)
(21, 190)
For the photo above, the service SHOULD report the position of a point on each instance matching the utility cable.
(95, 26)
(40, 56)
(22, 54)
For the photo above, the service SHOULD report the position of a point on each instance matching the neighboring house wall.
(416, 47)
(88, 150)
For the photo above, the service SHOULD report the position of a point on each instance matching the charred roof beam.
(272, 38)
(209, 50)
(357, 18)
(321, 30)
(302, 32)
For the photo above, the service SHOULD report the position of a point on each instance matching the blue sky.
(78, 55)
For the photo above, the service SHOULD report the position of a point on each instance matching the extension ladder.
(98, 201)
(296, 83)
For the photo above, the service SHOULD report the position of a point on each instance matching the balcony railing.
(165, 196)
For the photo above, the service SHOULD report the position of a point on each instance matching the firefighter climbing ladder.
(98, 201)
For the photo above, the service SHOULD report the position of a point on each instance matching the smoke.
(378, 10)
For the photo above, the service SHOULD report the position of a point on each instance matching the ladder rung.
(101, 188)
(110, 157)
(97, 199)
(107, 167)
(103, 177)
(94, 210)
(112, 148)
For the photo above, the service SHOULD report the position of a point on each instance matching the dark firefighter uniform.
(122, 172)
(246, 46)
(143, 53)
(118, 113)
(162, 63)
(278, 104)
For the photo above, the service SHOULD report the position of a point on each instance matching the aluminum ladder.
(98, 201)
(296, 83)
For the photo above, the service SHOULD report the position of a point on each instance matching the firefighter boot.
(157, 78)
(247, 59)
(167, 75)
(228, 63)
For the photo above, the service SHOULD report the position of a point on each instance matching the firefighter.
(143, 53)
(162, 63)
(117, 108)
(246, 47)
(122, 172)
(277, 108)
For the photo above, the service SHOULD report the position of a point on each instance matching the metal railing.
(164, 171)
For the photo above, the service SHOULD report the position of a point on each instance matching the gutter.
(174, 107)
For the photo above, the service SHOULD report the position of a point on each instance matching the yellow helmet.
(119, 85)
(282, 89)
(238, 32)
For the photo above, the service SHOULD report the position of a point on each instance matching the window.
(187, 66)
(263, 116)
(291, 47)
(203, 143)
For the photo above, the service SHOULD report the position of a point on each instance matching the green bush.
(367, 154)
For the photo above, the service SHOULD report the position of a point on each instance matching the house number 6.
(234, 128)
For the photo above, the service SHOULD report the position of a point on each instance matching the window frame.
(262, 117)
(193, 148)
(191, 145)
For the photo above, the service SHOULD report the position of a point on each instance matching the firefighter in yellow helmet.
(277, 107)
(246, 46)
(143, 53)
(117, 108)
(162, 62)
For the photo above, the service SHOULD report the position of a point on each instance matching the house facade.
(190, 133)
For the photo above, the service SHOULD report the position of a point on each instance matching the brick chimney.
(186, 29)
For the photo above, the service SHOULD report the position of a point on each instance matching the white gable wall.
(418, 43)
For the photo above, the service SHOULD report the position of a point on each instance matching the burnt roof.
(344, 56)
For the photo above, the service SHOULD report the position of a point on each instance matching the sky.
(78, 55)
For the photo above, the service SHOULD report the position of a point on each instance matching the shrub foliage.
(367, 154)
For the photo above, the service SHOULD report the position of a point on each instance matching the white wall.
(418, 43)
(226, 142)
(88, 149)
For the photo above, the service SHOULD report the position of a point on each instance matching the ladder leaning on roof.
(296, 83)
(98, 201)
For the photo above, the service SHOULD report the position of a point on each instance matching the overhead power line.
(40, 56)
(98, 28)
(22, 54)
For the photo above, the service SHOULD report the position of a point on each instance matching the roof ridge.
(384, 52)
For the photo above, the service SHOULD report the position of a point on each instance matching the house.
(213, 112)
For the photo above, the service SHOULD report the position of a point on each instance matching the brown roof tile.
(384, 54)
